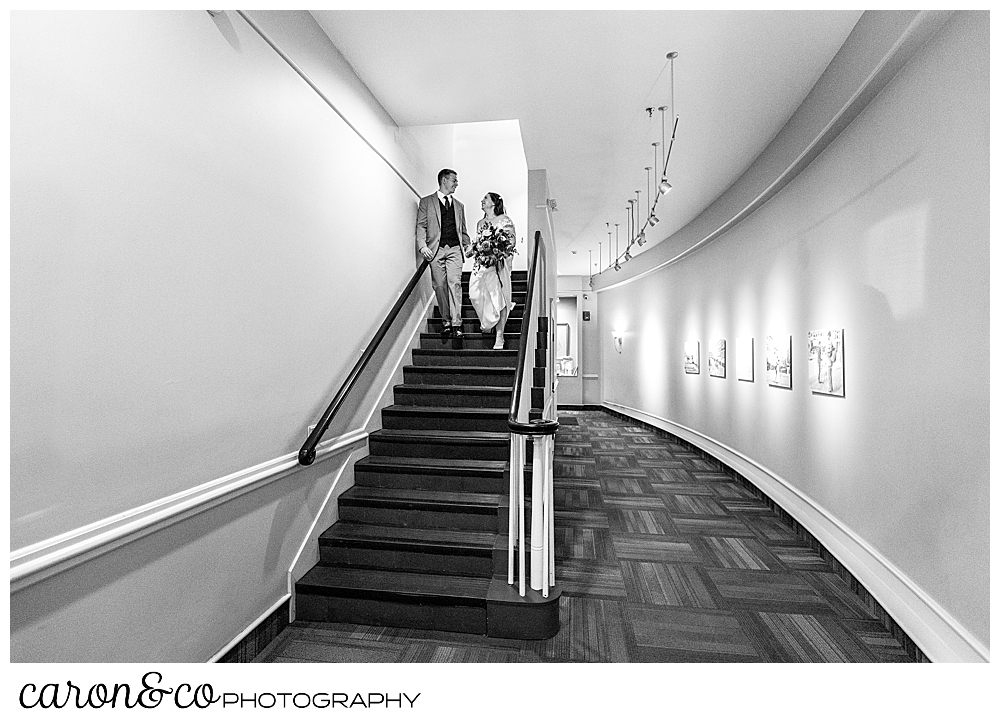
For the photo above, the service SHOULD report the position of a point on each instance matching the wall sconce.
(617, 337)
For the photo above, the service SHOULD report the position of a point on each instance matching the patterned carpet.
(662, 557)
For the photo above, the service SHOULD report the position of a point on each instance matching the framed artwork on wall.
(826, 362)
(717, 358)
(744, 358)
(692, 357)
(779, 361)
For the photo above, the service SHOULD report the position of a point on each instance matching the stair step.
(452, 395)
(515, 275)
(465, 357)
(384, 547)
(442, 501)
(447, 374)
(436, 510)
(439, 443)
(517, 297)
(435, 325)
(393, 598)
(469, 341)
(458, 475)
(469, 312)
(387, 536)
(404, 416)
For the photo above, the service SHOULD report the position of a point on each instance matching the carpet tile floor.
(662, 557)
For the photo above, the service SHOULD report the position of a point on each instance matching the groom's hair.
(444, 173)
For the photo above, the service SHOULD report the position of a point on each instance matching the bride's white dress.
(489, 290)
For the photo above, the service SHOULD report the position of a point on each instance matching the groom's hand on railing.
(426, 253)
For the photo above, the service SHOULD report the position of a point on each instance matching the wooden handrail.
(308, 452)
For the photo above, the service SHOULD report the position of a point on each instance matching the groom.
(441, 239)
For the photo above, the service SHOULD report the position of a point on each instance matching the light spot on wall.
(652, 364)
(894, 259)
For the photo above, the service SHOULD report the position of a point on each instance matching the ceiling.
(579, 82)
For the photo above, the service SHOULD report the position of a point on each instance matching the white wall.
(489, 156)
(885, 235)
(200, 249)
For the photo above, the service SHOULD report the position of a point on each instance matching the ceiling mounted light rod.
(664, 184)
(648, 193)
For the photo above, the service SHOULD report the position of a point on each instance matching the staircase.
(421, 536)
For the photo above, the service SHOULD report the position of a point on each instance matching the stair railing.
(308, 452)
(542, 432)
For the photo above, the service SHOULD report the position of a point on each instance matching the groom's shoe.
(456, 332)
(446, 331)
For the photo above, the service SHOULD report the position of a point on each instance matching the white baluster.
(546, 474)
(520, 516)
(512, 508)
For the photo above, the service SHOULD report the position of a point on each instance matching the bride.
(489, 284)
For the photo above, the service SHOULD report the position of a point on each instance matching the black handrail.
(308, 452)
(538, 426)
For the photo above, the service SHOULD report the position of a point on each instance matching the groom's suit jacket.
(429, 223)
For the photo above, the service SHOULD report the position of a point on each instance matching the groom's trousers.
(446, 278)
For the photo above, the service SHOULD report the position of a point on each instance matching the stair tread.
(419, 584)
(441, 435)
(452, 388)
(467, 352)
(459, 369)
(445, 411)
(419, 535)
(433, 462)
(362, 492)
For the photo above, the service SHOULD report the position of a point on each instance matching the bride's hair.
(497, 203)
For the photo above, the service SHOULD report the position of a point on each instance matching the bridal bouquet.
(492, 247)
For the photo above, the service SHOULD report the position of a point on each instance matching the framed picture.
(744, 358)
(692, 357)
(779, 361)
(717, 358)
(826, 362)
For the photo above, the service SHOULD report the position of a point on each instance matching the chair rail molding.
(939, 635)
(34, 563)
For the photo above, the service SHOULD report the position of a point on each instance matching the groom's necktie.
(447, 203)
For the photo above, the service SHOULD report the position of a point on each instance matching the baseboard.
(258, 635)
(581, 407)
(921, 625)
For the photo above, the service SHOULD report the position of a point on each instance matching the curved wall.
(886, 236)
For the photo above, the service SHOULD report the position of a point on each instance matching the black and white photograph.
(779, 361)
(826, 362)
(692, 357)
(717, 358)
(372, 335)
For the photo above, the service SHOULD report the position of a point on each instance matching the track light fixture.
(628, 256)
(618, 266)
(653, 220)
(664, 186)
(642, 238)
